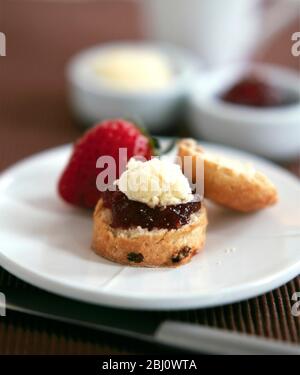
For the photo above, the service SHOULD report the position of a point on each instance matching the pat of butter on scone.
(155, 182)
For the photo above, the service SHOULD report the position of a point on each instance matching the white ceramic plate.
(47, 243)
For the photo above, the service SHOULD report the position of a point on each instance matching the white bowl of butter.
(142, 81)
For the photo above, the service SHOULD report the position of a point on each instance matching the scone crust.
(228, 188)
(158, 247)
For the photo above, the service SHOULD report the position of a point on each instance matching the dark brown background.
(41, 36)
(34, 115)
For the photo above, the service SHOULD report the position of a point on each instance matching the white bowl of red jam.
(254, 107)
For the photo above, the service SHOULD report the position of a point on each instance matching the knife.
(144, 326)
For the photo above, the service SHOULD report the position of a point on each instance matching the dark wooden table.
(34, 115)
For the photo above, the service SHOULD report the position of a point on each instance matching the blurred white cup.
(217, 31)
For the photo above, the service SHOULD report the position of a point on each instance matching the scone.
(154, 230)
(230, 183)
(137, 246)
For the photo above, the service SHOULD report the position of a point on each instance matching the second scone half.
(230, 183)
(137, 246)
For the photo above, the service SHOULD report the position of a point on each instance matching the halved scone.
(230, 183)
(151, 217)
(137, 246)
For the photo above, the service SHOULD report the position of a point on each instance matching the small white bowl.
(271, 132)
(92, 100)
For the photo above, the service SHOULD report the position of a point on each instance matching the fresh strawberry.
(77, 185)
